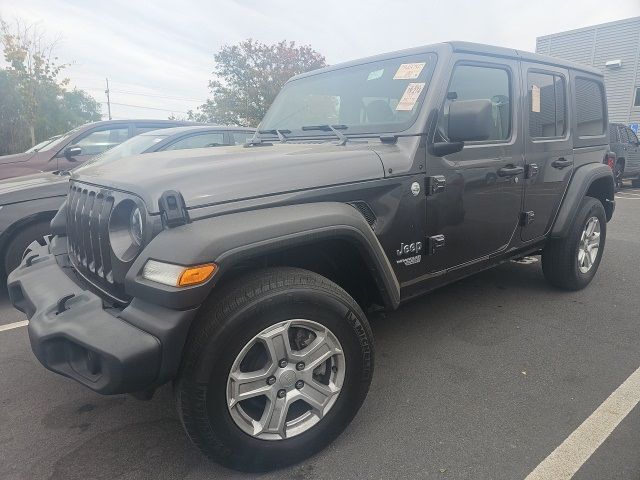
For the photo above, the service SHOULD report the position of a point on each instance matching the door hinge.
(173, 209)
(434, 243)
(436, 184)
(531, 170)
(527, 218)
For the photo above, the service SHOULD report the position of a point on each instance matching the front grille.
(88, 234)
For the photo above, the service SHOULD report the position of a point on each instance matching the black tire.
(226, 323)
(618, 175)
(635, 182)
(21, 240)
(560, 256)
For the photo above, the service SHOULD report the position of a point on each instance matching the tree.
(249, 75)
(34, 102)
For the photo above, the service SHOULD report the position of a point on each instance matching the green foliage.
(249, 75)
(34, 103)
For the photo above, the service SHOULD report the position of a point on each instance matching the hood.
(224, 174)
(16, 157)
(33, 187)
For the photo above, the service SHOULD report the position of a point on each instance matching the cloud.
(165, 49)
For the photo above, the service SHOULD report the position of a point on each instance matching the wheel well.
(602, 189)
(15, 228)
(340, 261)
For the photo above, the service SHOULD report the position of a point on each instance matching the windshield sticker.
(410, 96)
(535, 98)
(375, 74)
(409, 71)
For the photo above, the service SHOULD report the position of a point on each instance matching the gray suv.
(624, 143)
(244, 275)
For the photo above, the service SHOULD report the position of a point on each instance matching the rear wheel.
(277, 365)
(572, 262)
(21, 240)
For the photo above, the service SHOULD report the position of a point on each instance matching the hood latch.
(173, 209)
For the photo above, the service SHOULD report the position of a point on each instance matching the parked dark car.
(77, 146)
(244, 275)
(27, 204)
(624, 143)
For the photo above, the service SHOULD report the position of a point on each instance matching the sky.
(158, 56)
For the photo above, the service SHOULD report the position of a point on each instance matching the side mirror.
(470, 120)
(72, 151)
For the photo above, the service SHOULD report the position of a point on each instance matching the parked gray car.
(27, 204)
(624, 143)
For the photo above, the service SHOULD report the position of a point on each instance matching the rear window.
(547, 111)
(589, 107)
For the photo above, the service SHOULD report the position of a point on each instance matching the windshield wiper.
(276, 131)
(330, 128)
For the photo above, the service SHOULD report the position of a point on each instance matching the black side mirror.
(470, 120)
(72, 151)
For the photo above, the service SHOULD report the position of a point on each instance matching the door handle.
(510, 171)
(561, 163)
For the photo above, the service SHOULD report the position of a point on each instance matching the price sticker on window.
(535, 99)
(410, 96)
(409, 71)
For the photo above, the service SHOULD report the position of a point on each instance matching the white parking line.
(11, 326)
(567, 459)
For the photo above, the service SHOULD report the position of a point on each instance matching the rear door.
(548, 145)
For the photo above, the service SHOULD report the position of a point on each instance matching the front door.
(548, 146)
(478, 210)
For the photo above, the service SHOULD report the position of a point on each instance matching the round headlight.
(135, 225)
(126, 230)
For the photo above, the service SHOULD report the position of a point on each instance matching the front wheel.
(277, 365)
(572, 262)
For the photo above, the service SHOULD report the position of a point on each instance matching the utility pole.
(108, 99)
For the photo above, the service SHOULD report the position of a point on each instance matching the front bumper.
(75, 333)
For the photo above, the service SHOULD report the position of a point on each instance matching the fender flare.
(579, 185)
(229, 239)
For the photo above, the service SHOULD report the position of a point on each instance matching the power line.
(154, 95)
(158, 96)
(148, 108)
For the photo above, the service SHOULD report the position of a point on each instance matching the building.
(613, 48)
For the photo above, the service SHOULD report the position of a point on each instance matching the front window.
(479, 82)
(201, 140)
(376, 97)
(102, 140)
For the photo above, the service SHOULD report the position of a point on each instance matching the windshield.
(133, 146)
(375, 97)
(39, 146)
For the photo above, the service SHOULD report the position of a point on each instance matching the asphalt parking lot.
(480, 380)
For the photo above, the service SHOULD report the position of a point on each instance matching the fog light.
(177, 275)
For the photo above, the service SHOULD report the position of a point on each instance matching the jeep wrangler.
(243, 275)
